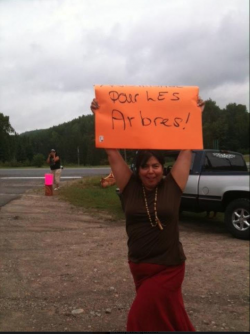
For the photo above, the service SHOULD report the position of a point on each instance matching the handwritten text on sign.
(146, 117)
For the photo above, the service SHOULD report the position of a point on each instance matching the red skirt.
(158, 305)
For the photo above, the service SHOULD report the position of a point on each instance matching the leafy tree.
(5, 140)
(211, 123)
(237, 120)
(229, 127)
(38, 160)
(5, 126)
(20, 152)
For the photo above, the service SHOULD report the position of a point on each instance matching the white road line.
(36, 177)
(10, 194)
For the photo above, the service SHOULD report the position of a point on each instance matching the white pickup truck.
(219, 182)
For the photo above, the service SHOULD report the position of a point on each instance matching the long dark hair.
(142, 157)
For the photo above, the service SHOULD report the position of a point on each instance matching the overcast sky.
(52, 52)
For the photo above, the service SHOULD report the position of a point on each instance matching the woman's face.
(151, 174)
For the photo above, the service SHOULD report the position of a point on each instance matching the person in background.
(55, 166)
(155, 254)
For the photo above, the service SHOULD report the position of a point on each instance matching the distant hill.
(73, 140)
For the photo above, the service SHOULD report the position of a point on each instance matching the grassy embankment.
(47, 167)
(246, 157)
(88, 194)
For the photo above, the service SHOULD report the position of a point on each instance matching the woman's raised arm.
(119, 167)
(181, 168)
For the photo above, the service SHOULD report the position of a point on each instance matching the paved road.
(14, 182)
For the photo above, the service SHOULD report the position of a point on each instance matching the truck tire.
(237, 218)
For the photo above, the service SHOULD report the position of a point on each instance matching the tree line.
(226, 129)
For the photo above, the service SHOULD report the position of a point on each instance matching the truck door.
(217, 171)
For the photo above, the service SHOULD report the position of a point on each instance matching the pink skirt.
(158, 305)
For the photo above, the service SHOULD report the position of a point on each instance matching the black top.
(146, 243)
(54, 164)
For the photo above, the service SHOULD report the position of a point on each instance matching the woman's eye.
(152, 166)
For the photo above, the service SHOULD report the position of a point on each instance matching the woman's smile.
(151, 173)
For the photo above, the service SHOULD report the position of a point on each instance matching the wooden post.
(49, 190)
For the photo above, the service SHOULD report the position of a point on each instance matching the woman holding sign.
(155, 254)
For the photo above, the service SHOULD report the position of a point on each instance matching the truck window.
(224, 162)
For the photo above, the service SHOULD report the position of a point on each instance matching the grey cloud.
(51, 68)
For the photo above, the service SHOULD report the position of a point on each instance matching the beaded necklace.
(157, 220)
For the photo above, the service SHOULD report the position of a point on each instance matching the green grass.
(47, 167)
(246, 157)
(88, 194)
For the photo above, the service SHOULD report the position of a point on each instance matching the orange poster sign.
(148, 117)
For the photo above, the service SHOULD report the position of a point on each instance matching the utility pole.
(125, 155)
(78, 156)
(216, 144)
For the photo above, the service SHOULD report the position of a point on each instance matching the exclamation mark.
(187, 119)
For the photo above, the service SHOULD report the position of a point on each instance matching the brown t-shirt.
(146, 243)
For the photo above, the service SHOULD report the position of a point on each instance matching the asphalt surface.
(14, 182)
